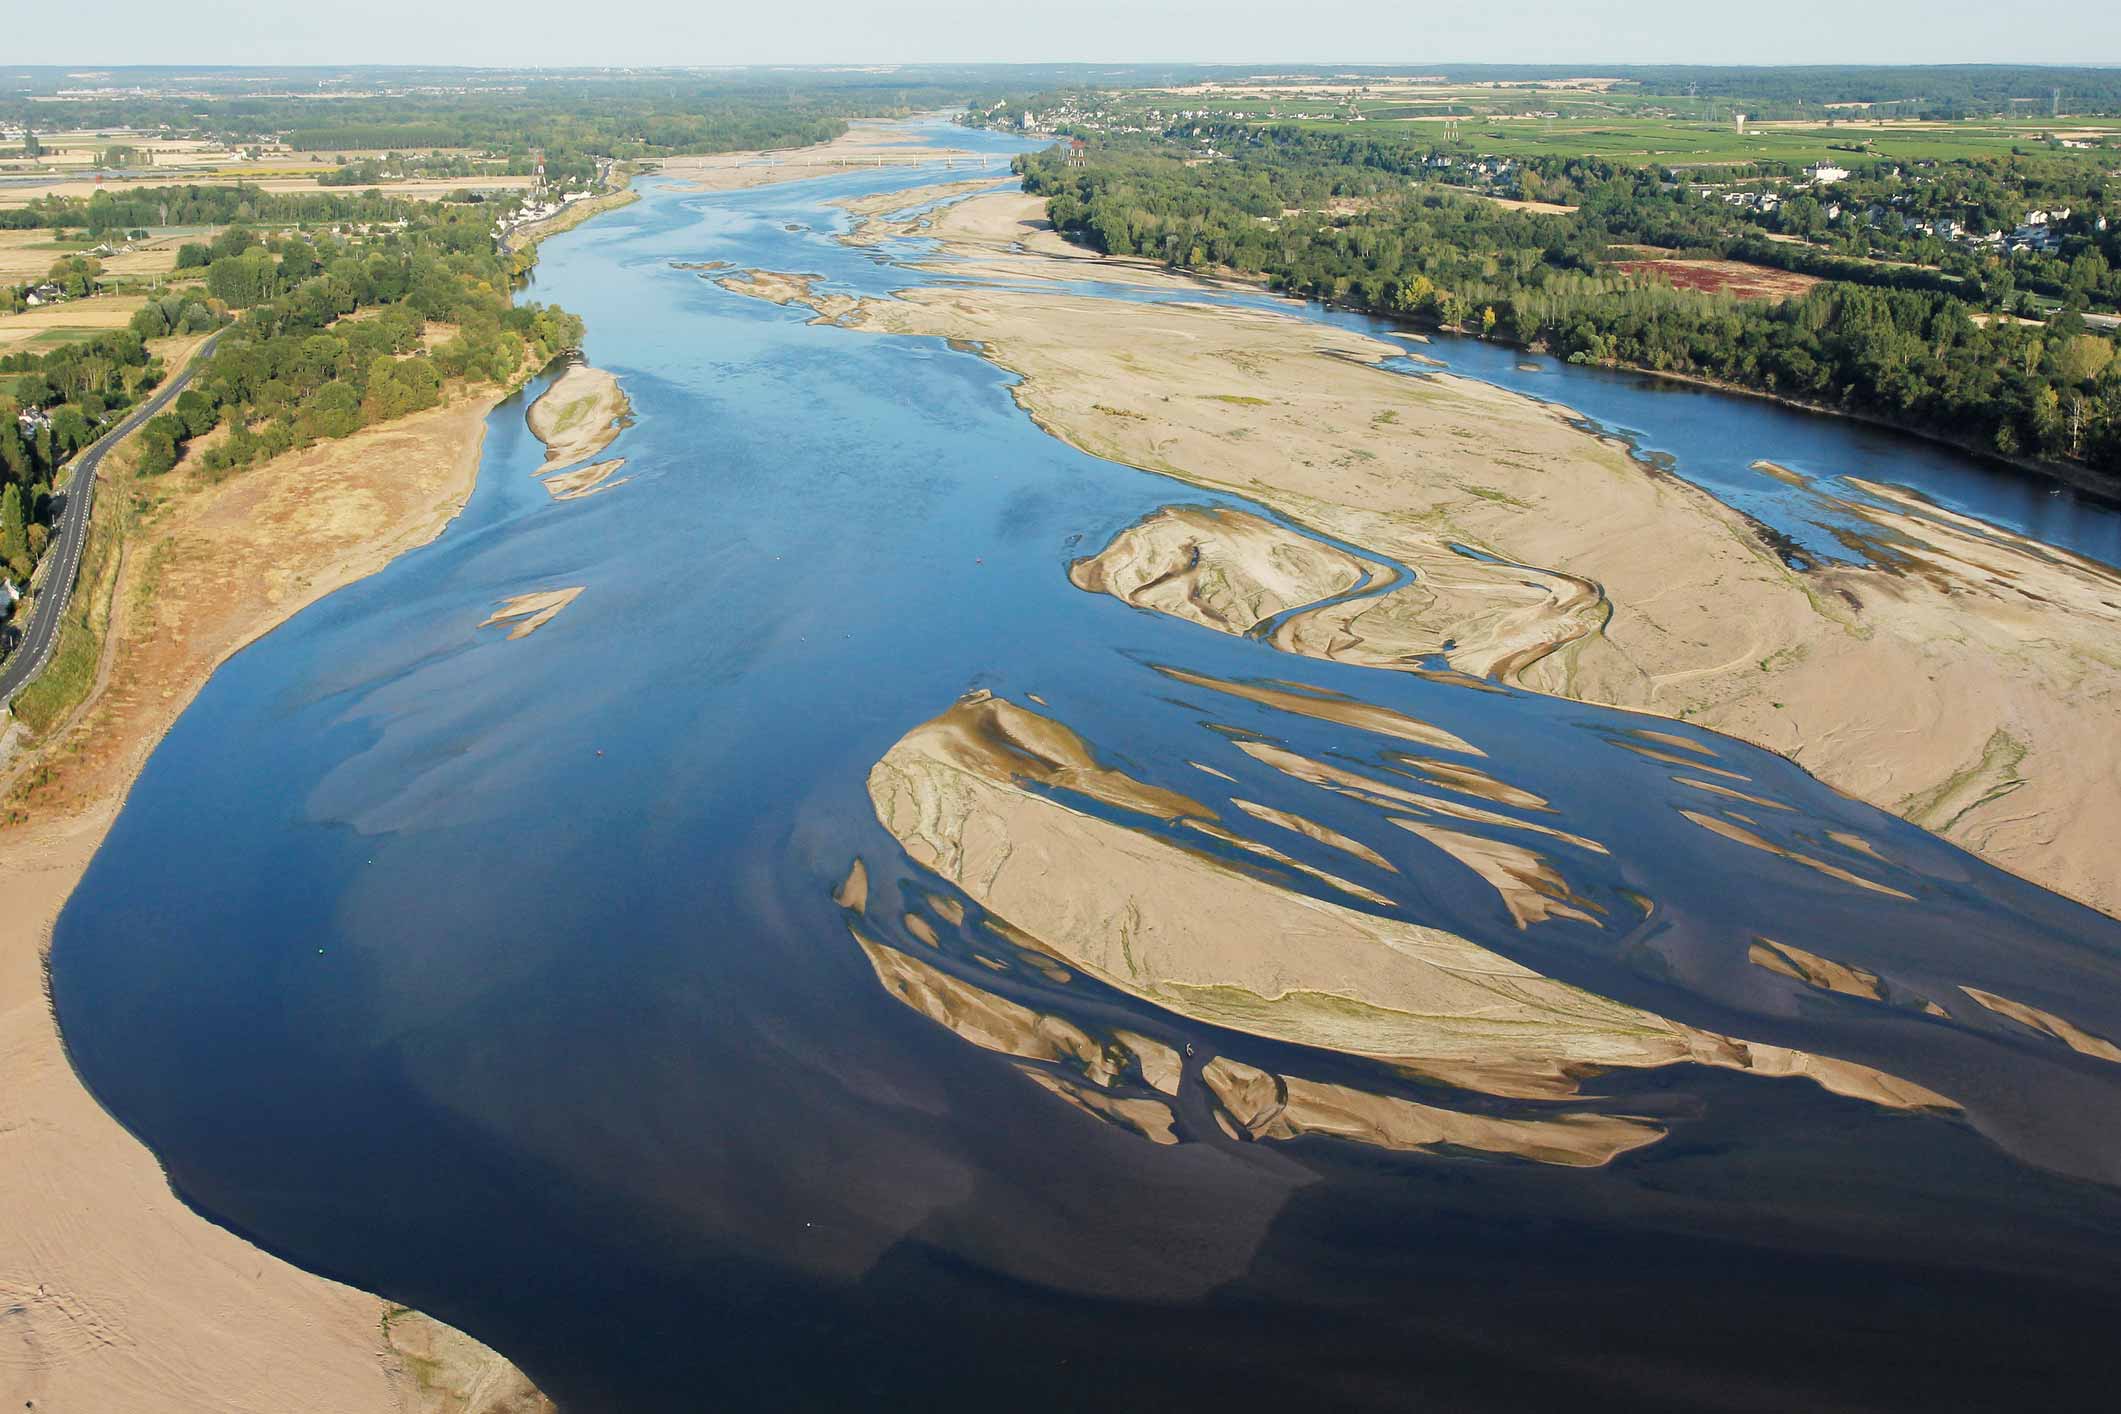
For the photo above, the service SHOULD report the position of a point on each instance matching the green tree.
(14, 532)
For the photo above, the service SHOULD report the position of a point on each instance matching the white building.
(1826, 172)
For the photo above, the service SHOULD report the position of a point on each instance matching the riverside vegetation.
(1341, 219)
(332, 337)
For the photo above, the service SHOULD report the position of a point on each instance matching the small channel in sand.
(523, 977)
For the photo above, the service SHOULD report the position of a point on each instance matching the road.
(63, 558)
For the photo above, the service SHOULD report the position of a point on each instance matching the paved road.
(63, 557)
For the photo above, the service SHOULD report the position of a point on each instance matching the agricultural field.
(1679, 142)
(303, 179)
(1735, 278)
(25, 256)
(46, 328)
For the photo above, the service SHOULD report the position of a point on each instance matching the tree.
(14, 534)
(2083, 358)
(160, 440)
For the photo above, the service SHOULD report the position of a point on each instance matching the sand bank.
(864, 146)
(1209, 941)
(113, 1294)
(1964, 677)
(783, 289)
(585, 481)
(1269, 1106)
(578, 415)
(531, 612)
(882, 216)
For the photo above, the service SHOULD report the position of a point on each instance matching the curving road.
(63, 558)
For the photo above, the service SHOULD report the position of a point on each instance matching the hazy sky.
(1239, 31)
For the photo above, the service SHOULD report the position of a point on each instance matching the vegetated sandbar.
(1967, 680)
(578, 415)
(118, 1296)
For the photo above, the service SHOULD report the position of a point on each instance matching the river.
(502, 977)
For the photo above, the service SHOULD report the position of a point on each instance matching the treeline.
(335, 334)
(107, 213)
(1651, 205)
(333, 337)
(75, 390)
(1942, 91)
(1917, 356)
(398, 166)
(569, 135)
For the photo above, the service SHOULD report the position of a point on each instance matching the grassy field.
(52, 325)
(1589, 121)
(302, 179)
(26, 255)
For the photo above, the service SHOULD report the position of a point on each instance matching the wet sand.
(1962, 677)
(113, 1294)
(584, 481)
(531, 612)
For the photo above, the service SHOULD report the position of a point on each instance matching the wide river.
(503, 977)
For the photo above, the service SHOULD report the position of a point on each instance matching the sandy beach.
(113, 1294)
(1964, 678)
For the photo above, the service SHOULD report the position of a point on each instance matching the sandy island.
(979, 796)
(113, 1294)
(865, 145)
(1963, 677)
(578, 415)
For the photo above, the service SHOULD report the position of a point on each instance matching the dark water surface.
(501, 977)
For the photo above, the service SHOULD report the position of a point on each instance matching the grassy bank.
(68, 678)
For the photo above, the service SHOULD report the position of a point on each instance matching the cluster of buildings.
(43, 294)
(544, 201)
(2040, 231)
(1488, 167)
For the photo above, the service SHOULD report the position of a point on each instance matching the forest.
(333, 335)
(108, 212)
(1356, 232)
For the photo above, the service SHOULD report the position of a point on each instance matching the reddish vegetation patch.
(1723, 277)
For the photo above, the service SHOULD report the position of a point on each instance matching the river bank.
(970, 231)
(122, 1296)
(1964, 677)
(119, 1295)
(865, 144)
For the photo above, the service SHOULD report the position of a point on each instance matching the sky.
(651, 32)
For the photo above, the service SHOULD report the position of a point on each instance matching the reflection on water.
(1218, 1024)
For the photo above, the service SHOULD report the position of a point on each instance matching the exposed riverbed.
(526, 979)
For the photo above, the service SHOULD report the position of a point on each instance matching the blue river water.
(501, 977)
